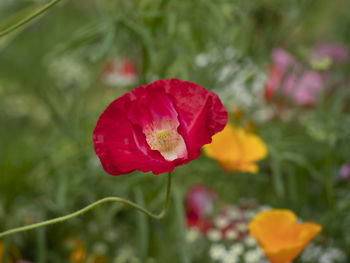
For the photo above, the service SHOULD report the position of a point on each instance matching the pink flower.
(199, 207)
(344, 172)
(308, 88)
(335, 52)
(200, 200)
(157, 126)
(288, 79)
(282, 62)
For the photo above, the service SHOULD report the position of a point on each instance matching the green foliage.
(52, 92)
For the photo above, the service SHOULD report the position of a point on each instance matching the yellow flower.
(236, 150)
(280, 235)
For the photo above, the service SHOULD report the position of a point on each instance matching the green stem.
(28, 18)
(329, 181)
(277, 178)
(93, 205)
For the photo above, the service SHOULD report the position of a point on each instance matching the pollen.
(163, 137)
(165, 141)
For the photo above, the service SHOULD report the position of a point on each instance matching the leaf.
(106, 43)
(41, 245)
(146, 40)
(277, 179)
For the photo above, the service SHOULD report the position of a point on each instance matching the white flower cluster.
(127, 255)
(238, 252)
(228, 234)
(318, 254)
(242, 80)
(67, 71)
(25, 105)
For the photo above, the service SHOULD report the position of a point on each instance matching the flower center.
(164, 138)
(162, 135)
(165, 141)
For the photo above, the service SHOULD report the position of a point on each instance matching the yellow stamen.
(162, 135)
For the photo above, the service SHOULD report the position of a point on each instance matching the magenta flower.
(344, 172)
(289, 79)
(282, 63)
(200, 200)
(157, 127)
(307, 88)
(335, 52)
(283, 60)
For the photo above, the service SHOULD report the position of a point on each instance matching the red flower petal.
(200, 113)
(157, 126)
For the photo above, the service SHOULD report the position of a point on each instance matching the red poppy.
(157, 126)
(275, 77)
(119, 72)
(199, 207)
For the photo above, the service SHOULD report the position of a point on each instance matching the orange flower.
(237, 113)
(236, 150)
(78, 254)
(99, 259)
(280, 235)
(13, 253)
(2, 248)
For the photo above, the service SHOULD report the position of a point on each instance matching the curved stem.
(29, 18)
(93, 205)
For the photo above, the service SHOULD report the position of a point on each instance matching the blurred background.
(281, 69)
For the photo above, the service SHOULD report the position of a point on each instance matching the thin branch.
(93, 205)
(28, 19)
